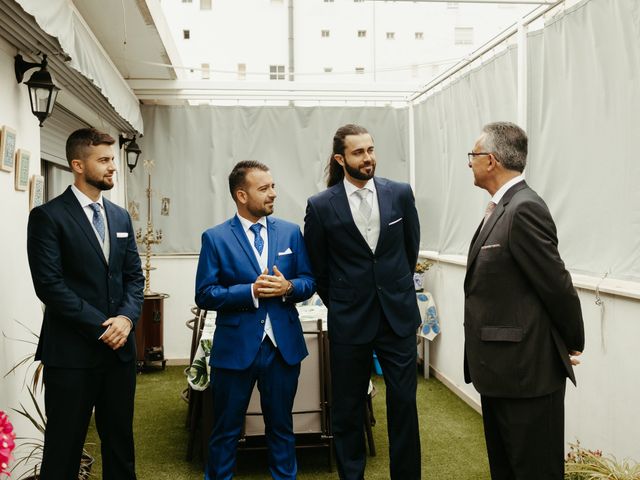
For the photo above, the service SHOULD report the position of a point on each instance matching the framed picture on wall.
(36, 191)
(23, 158)
(7, 148)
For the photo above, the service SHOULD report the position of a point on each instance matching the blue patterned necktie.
(257, 239)
(98, 221)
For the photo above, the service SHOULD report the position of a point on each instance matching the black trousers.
(350, 374)
(525, 436)
(70, 395)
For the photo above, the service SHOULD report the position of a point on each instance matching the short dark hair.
(334, 171)
(508, 142)
(80, 140)
(239, 173)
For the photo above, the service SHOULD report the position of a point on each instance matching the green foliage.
(583, 464)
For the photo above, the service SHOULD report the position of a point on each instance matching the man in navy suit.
(362, 234)
(86, 270)
(522, 319)
(252, 271)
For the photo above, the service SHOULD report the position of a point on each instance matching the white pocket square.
(286, 252)
(486, 247)
(122, 234)
(395, 221)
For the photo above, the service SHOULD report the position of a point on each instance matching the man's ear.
(241, 196)
(77, 166)
(339, 158)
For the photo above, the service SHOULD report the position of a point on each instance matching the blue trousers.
(231, 392)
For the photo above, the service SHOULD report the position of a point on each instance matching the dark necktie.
(257, 239)
(98, 221)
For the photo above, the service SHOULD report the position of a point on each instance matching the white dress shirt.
(262, 259)
(370, 229)
(505, 188)
(88, 211)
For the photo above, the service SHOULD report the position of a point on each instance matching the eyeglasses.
(470, 155)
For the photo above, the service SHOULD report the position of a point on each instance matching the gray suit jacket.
(522, 313)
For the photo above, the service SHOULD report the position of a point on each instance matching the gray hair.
(508, 142)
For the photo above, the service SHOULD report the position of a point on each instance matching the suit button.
(379, 288)
(375, 261)
(110, 276)
(261, 321)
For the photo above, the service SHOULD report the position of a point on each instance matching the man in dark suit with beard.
(362, 235)
(523, 323)
(86, 270)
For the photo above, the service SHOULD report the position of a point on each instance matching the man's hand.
(572, 357)
(267, 286)
(118, 329)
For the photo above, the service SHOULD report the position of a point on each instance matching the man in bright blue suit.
(252, 271)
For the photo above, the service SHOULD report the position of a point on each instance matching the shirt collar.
(84, 200)
(246, 224)
(504, 188)
(350, 188)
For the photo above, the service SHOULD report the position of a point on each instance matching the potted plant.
(418, 277)
(584, 464)
(29, 451)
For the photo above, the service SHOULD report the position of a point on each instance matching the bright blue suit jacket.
(226, 269)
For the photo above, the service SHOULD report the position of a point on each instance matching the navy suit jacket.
(356, 284)
(79, 288)
(522, 314)
(226, 269)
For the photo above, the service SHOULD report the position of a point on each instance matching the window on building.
(360, 70)
(463, 36)
(324, 33)
(276, 72)
(391, 35)
(362, 33)
(205, 71)
(419, 35)
(205, 4)
(186, 34)
(328, 69)
(242, 71)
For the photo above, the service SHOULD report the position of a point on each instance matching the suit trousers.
(70, 395)
(231, 392)
(525, 436)
(350, 374)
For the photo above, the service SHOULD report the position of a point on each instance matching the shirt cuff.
(256, 301)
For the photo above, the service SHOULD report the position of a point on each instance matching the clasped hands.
(267, 286)
(117, 332)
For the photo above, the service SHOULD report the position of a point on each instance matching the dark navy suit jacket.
(226, 269)
(79, 288)
(356, 284)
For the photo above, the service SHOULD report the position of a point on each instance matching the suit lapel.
(482, 233)
(272, 236)
(340, 204)
(109, 210)
(238, 231)
(385, 204)
(77, 213)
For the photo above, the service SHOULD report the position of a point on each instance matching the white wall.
(17, 298)
(602, 411)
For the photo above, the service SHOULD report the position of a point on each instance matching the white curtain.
(195, 148)
(584, 128)
(447, 125)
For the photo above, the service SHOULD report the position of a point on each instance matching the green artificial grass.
(451, 433)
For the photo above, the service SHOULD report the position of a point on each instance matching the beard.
(100, 184)
(263, 211)
(357, 174)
